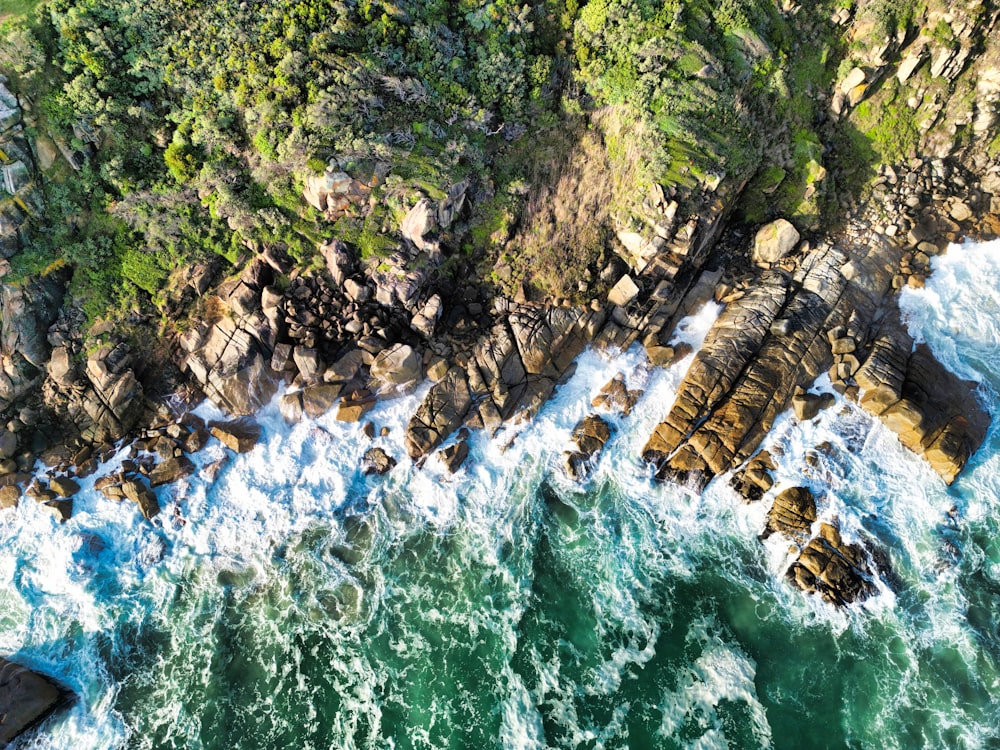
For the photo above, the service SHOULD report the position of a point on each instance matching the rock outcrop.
(512, 371)
(832, 568)
(589, 438)
(774, 340)
(26, 698)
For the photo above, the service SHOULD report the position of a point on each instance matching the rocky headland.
(804, 298)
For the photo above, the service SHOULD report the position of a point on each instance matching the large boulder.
(774, 241)
(26, 698)
(832, 568)
(239, 435)
(589, 437)
(396, 367)
(792, 514)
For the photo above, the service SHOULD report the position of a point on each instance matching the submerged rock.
(26, 698)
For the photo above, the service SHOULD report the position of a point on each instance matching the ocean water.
(303, 605)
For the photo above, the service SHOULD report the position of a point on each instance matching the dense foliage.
(207, 115)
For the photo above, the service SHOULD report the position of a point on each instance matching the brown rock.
(614, 396)
(808, 405)
(171, 470)
(64, 486)
(60, 508)
(142, 496)
(454, 455)
(195, 440)
(590, 436)
(355, 405)
(319, 399)
(9, 496)
(239, 435)
(835, 570)
(792, 513)
(377, 461)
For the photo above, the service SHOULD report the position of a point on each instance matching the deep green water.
(305, 606)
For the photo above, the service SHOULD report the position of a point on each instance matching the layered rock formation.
(775, 339)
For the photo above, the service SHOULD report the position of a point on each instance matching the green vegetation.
(199, 121)
(16, 7)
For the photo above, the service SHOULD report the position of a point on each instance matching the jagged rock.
(377, 461)
(355, 405)
(744, 375)
(452, 204)
(61, 367)
(418, 223)
(64, 486)
(623, 292)
(910, 63)
(835, 570)
(174, 468)
(615, 396)
(396, 367)
(239, 435)
(590, 436)
(755, 479)
(9, 496)
(454, 455)
(308, 362)
(316, 400)
(26, 698)
(774, 241)
(427, 317)
(440, 414)
(935, 414)
(808, 405)
(792, 514)
(339, 259)
(195, 440)
(512, 370)
(142, 496)
(281, 358)
(60, 508)
(8, 444)
(854, 78)
(231, 364)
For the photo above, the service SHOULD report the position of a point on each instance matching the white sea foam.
(264, 538)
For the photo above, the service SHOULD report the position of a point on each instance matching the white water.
(257, 544)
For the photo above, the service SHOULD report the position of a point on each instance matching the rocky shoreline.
(353, 333)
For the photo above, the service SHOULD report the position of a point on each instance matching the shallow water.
(303, 605)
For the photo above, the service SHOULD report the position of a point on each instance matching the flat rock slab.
(239, 435)
(26, 698)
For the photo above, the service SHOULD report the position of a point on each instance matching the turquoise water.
(303, 605)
